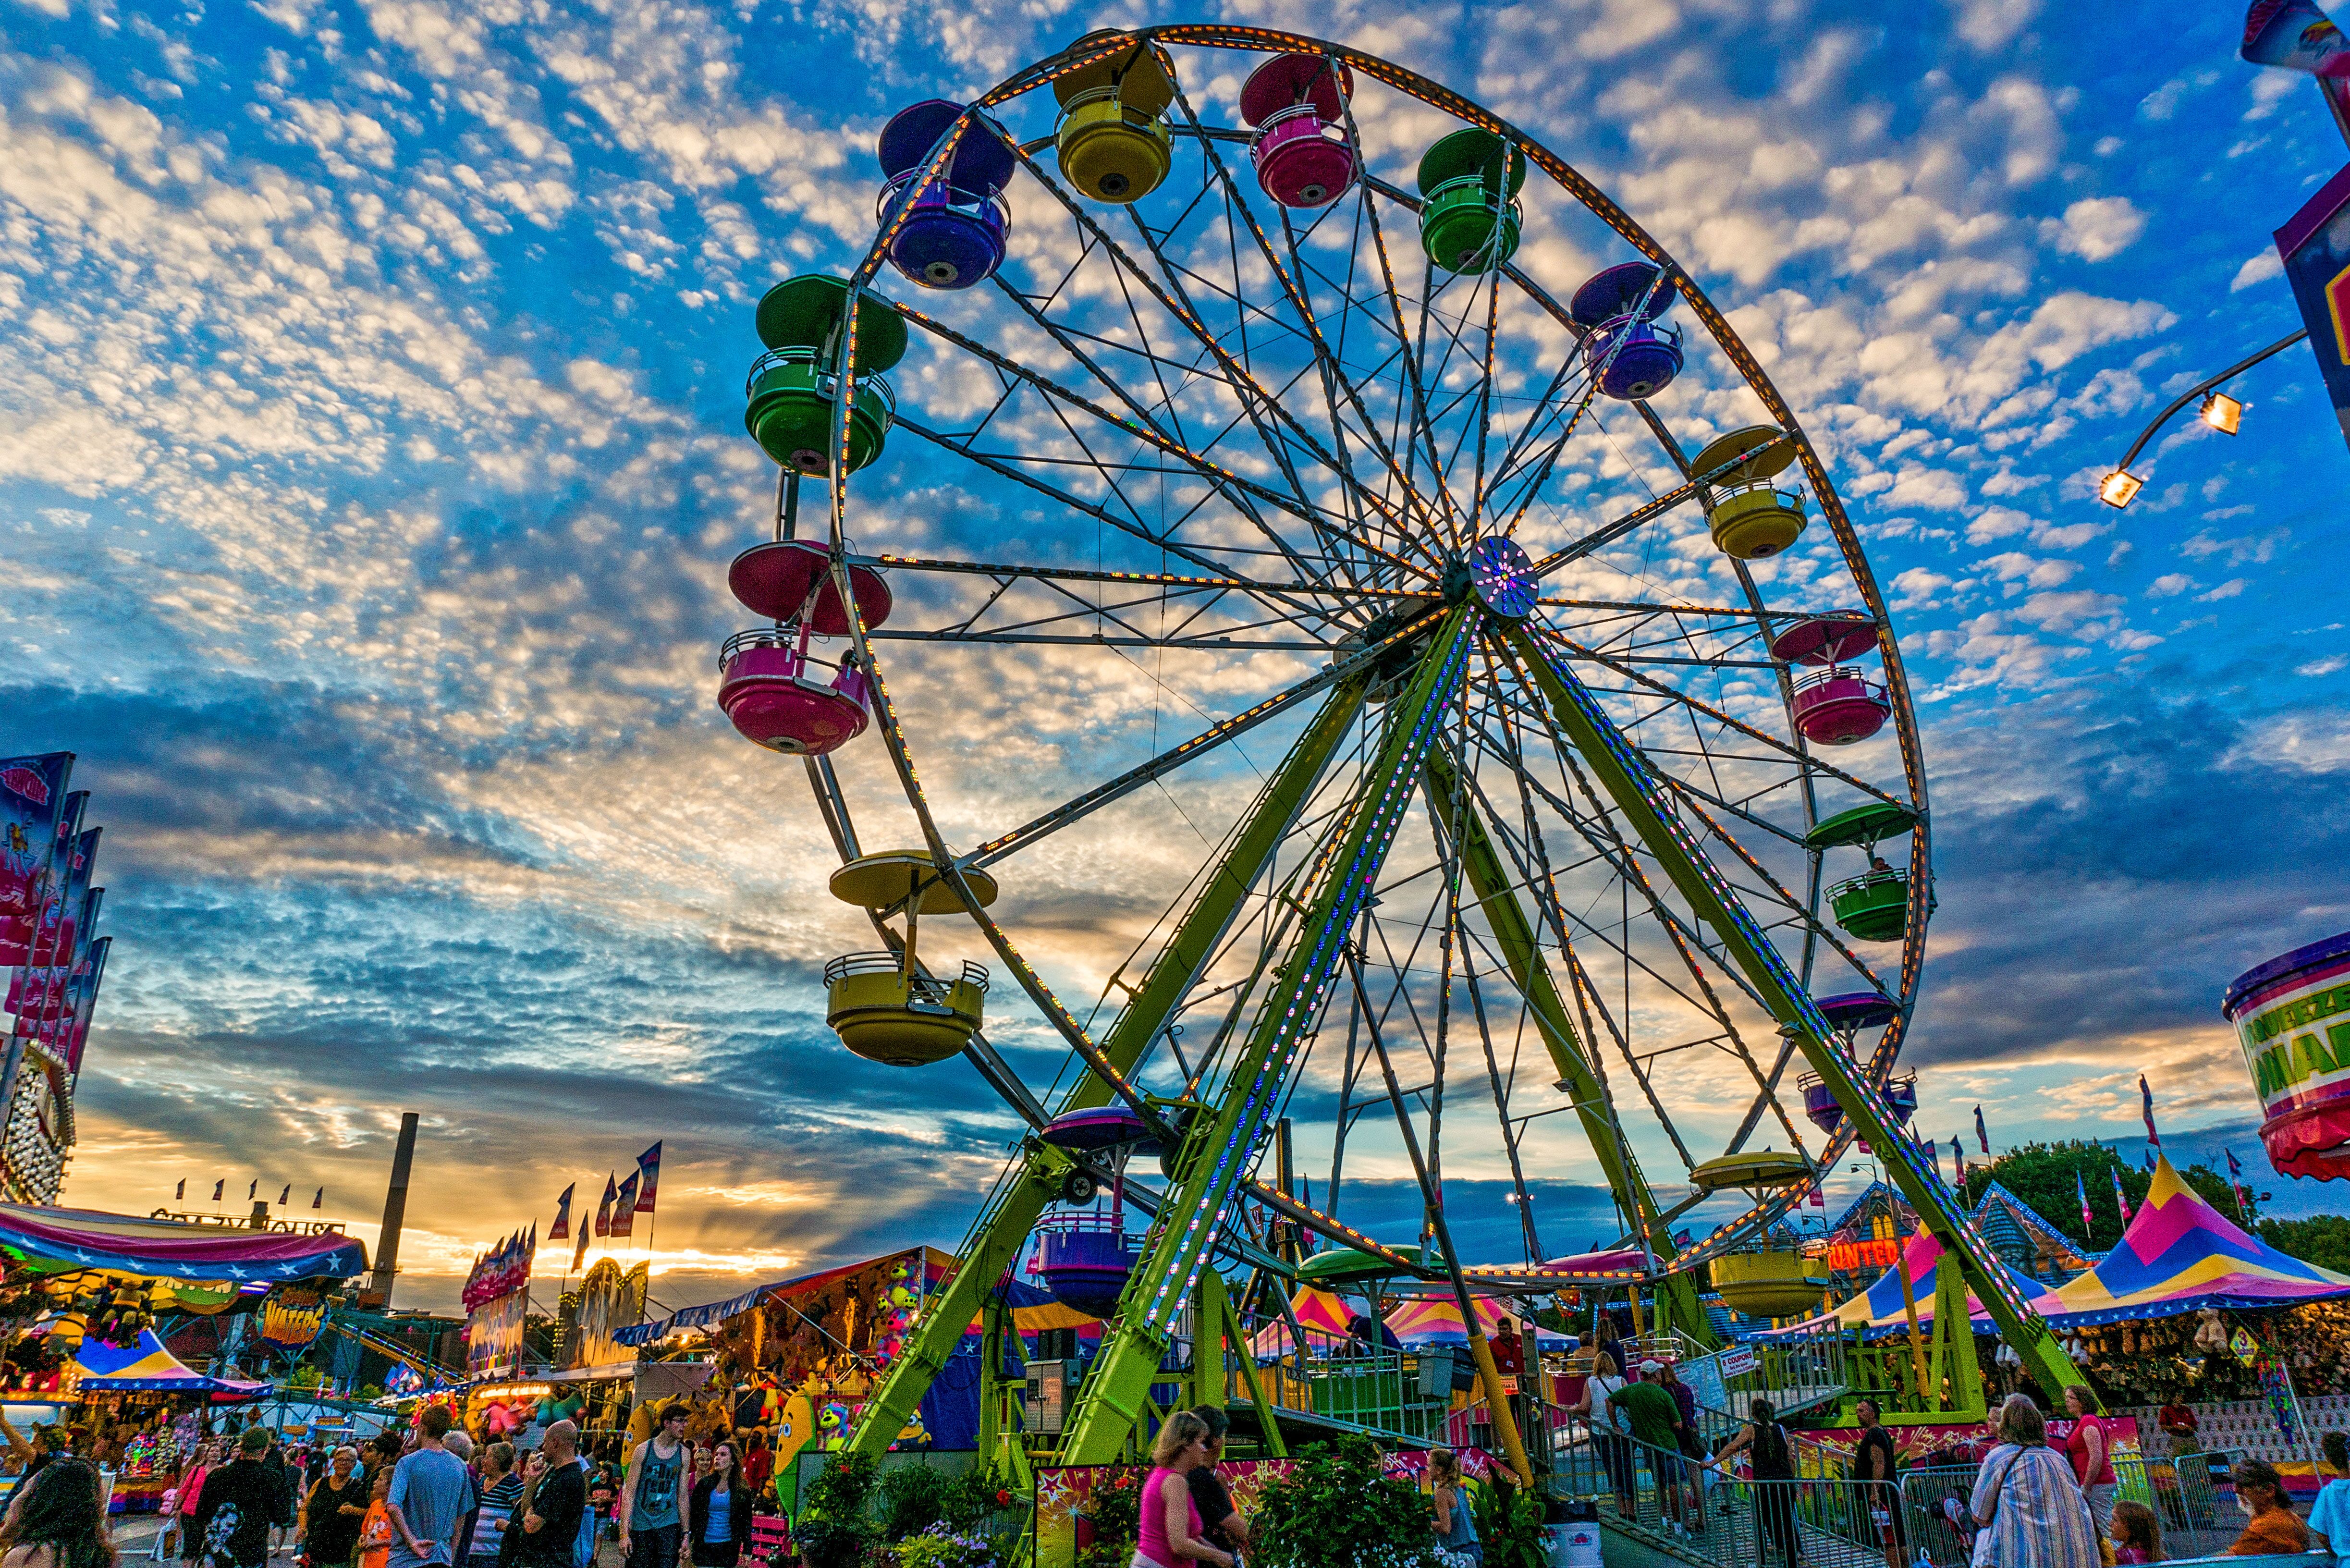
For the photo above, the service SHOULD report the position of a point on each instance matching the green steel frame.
(1626, 776)
(996, 1241)
(1514, 935)
(1221, 1146)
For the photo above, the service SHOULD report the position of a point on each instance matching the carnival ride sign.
(2316, 245)
(494, 1335)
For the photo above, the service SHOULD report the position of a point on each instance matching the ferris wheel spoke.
(1199, 745)
(1335, 380)
(1805, 760)
(1242, 493)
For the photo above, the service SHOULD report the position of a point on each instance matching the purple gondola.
(1083, 1259)
(952, 232)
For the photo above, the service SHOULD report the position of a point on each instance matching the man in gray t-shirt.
(429, 1495)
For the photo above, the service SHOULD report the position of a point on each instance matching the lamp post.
(2222, 413)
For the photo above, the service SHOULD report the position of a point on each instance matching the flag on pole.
(604, 1210)
(182, 1191)
(1982, 1136)
(1958, 1160)
(2150, 1162)
(1819, 1198)
(580, 1253)
(648, 1178)
(318, 1199)
(2296, 35)
(2121, 1199)
(252, 1189)
(285, 1195)
(2235, 1170)
(2146, 1109)
(218, 1188)
(2087, 1224)
(561, 1230)
(624, 1207)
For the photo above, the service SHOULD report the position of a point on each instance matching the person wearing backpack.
(241, 1503)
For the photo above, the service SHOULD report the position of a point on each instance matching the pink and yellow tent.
(2181, 1255)
(1323, 1315)
(1429, 1321)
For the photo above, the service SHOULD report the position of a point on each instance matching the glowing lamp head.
(2119, 488)
(2224, 413)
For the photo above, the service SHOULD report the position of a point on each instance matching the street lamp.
(2118, 488)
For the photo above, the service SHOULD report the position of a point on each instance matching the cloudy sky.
(370, 457)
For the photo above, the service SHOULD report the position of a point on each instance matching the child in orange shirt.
(375, 1529)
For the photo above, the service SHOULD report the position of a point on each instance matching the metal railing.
(922, 988)
(1709, 1510)
(1408, 1395)
(2193, 1496)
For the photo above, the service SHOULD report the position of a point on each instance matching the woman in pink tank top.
(1169, 1532)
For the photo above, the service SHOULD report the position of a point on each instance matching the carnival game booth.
(83, 1291)
(2188, 1305)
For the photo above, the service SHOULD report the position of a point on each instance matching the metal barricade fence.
(2193, 1497)
(1821, 1522)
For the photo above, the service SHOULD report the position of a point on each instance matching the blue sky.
(371, 455)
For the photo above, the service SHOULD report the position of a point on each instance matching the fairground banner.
(493, 1336)
(31, 793)
(2315, 246)
(33, 840)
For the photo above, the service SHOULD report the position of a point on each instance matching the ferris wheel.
(1321, 530)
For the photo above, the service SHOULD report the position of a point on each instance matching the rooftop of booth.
(1471, 152)
(1284, 81)
(1143, 86)
(981, 165)
(804, 312)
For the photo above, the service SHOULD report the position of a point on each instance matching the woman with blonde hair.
(1457, 1545)
(1168, 1531)
(2026, 1496)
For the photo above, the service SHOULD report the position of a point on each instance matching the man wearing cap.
(1656, 1422)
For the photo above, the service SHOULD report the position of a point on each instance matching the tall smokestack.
(395, 1213)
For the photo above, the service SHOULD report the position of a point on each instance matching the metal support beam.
(1220, 1147)
(996, 1243)
(1521, 951)
(1638, 794)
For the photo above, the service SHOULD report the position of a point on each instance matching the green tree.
(2042, 1175)
(2322, 1239)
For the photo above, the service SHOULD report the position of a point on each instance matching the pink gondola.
(1297, 104)
(1839, 706)
(777, 698)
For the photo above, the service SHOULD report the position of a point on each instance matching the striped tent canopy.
(1318, 1312)
(1879, 1310)
(62, 1241)
(145, 1367)
(2180, 1255)
(1430, 1320)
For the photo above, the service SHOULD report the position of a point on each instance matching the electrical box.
(1052, 1389)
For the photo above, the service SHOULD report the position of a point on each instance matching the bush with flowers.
(1113, 1515)
(1337, 1508)
(940, 1547)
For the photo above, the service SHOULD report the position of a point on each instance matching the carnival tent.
(64, 1240)
(1428, 1322)
(146, 1367)
(1880, 1310)
(1318, 1312)
(2180, 1255)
